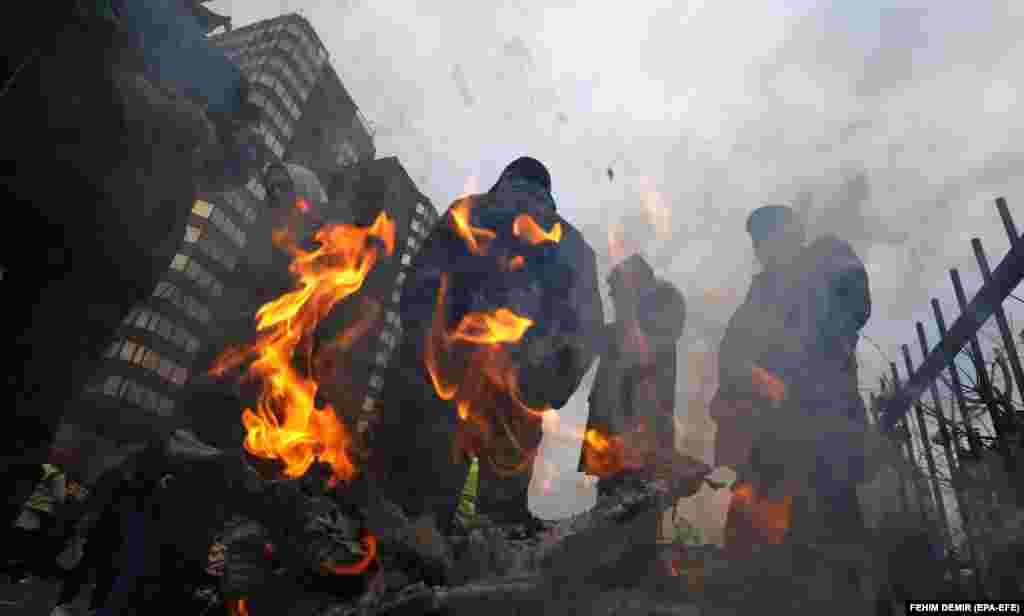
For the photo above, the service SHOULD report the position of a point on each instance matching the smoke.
(893, 125)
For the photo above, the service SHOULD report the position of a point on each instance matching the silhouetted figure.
(103, 173)
(555, 286)
(633, 395)
(789, 413)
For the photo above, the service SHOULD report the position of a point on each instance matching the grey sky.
(897, 122)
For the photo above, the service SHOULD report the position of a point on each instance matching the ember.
(770, 518)
(606, 456)
(771, 386)
(238, 607)
(286, 425)
(369, 547)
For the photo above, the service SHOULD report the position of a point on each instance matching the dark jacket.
(557, 287)
(801, 325)
(613, 408)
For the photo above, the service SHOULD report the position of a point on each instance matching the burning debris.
(285, 424)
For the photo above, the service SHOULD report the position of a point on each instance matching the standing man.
(455, 274)
(633, 396)
(790, 417)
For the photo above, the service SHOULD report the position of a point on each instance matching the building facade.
(214, 282)
(366, 189)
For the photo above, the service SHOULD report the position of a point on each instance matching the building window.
(376, 382)
(388, 338)
(192, 234)
(416, 226)
(400, 278)
(411, 242)
(420, 209)
(237, 201)
(112, 350)
(406, 258)
(112, 386)
(396, 296)
(381, 359)
(186, 303)
(392, 317)
(204, 279)
(257, 190)
(202, 209)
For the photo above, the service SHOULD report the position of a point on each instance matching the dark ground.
(35, 598)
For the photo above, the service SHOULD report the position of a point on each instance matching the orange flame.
(369, 546)
(770, 518)
(477, 238)
(769, 385)
(525, 227)
(516, 263)
(285, 424)
(301, 204)
(617, 244)
(606, 455)
(238, 607)
(472, 366)
(653, 207)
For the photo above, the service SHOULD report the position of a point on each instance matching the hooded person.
(480, 259)
(633, 395)
(790, 417)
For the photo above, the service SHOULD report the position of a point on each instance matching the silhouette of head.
(778, 235)
(528, 169)
(628, 280)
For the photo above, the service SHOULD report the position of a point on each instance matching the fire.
(770, 518)
(525, 227)
(477, 238)
(769, 385)
(498, 327)
(605, 455)
(658, 215)
(617, 246)
(369, 546)
(285, 425)
(481, 378)
(516, 263)
(238, 607)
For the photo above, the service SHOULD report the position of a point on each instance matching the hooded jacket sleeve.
(585, 297)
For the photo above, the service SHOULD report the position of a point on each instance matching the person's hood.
(520, 185)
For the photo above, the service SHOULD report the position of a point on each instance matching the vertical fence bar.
(984, 383)
(947, 429)
(954, 473)
(876, 411)
(922, 428)
(1009, 348)
(958, 391)
(1004, 214)
(904, 428)
(973, 445)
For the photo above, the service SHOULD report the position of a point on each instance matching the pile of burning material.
(316, 538)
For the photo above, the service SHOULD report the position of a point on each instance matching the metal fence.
(982, 471)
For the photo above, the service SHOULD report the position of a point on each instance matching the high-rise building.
(367, 188)
(215, 276)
